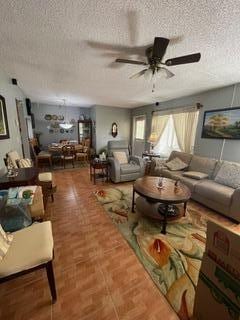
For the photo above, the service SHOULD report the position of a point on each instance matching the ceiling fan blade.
(131, 62)
(139, 74)
(159, 47)
(169, 74)
(191, 58)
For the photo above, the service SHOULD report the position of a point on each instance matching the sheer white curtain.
(168, 141)
(159, 124)
(185, 125)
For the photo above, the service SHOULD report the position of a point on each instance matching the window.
(168, 141)
(140, 127)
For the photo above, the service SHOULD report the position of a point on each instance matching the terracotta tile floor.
(97, 274)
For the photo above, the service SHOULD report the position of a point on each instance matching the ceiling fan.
(155, 65)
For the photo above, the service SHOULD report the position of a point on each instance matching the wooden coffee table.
(168, 196)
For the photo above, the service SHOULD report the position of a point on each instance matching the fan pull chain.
(153, 88)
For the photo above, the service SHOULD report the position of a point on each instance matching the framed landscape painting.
(222, 124)
(4, 131)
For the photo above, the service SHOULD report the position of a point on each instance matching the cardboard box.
(223, 246)
(211, 303)
(221, 279)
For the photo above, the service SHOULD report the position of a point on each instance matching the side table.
(99, 170)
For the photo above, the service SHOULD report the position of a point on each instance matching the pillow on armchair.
(120, 156)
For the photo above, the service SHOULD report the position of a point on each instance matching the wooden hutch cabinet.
(85, 131)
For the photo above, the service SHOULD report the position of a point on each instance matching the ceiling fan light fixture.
(148, 74)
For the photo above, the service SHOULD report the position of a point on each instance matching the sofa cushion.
(201, 164)
(185, 157)
(195, 175)
(214, 191)
(129, 168)
(176, 164)
(120, 156)
(229, 175)
(189, 182)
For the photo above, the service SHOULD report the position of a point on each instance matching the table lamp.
(152, 140)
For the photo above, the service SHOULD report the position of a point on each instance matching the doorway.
(23, 133)
(139, 129)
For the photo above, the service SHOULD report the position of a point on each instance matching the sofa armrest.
(235, 205)
(114, 169)
(140, 161)
(156, 165)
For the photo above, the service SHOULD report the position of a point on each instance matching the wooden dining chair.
(41, 156)
(68, 154)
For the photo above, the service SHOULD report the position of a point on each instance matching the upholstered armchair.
(123, 166)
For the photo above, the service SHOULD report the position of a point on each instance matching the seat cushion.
(31, 247)
(44, 154)
(189, 182)
(214, 191)
(45, 176)
(129, 168)
(195, 175)
(201, 164)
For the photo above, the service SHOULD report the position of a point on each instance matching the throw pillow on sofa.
(176, 164)
(195, 175)
(229, 175)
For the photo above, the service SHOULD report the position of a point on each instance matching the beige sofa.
(221, 197)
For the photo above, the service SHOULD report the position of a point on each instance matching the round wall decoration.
(114, 130)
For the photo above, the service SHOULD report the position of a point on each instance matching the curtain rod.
(198, 105)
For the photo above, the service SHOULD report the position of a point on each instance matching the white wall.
(213, 99)
(10, 93)
(105, 116)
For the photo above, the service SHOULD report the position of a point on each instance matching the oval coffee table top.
(148, 188)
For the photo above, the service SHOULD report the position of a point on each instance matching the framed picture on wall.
(4, 131)
(221, 124)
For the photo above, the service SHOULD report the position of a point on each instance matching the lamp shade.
(66, 126)
(153, 137)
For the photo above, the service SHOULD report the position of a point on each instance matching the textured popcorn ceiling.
(64, 49)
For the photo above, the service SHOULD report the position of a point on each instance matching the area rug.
(172, 260)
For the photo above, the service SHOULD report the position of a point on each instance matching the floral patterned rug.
(172, 260)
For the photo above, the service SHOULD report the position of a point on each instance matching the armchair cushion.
(120, 156)
(30, 248)
(13, 157)
(129, 168)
